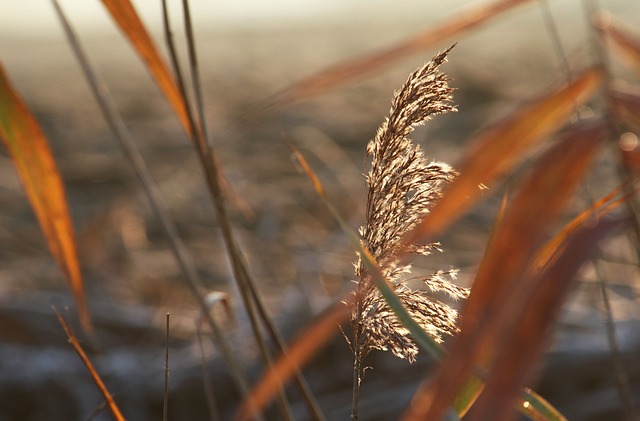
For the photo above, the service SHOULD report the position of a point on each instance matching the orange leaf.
(356, 68)
(299, 353)
(534, 318)
(500, 148)
(604, 205)
(73, 340)
(129, 22)
(37, 169)
(499, 283)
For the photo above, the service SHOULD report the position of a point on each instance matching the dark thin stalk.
(357, 381)
(165, 406)
(358, 357)
(239, 268)
(244, 279)
(552, 28)
(307, 395)
(210, 168)
(207, 381)
(561, 55)
(168, 34)
(187, 266)
(591, 8)
(97, 411)
(195, 73)
(621, 377)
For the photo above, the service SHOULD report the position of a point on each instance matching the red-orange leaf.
(499, 148)
(547, 254)
(129, 22)
(534, 318)
(73, 340)
(359, 67)
(499, 283)
(37, 169)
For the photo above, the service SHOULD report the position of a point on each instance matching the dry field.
(295, 250)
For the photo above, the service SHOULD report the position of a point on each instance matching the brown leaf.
(497, 150)
(499, 280)
(30, 153)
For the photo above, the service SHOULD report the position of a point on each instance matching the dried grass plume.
(402, 186)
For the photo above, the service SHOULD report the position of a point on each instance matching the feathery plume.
(402, 186)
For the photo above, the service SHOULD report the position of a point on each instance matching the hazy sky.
(37, 16)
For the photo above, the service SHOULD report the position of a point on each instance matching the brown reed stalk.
(402, 186)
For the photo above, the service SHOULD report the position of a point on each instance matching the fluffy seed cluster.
(402, 186)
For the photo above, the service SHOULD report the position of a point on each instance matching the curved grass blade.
(529, 403)
(499, 282)
(125, 15)
(537, 408)
(73, 340)
(30, 153)
(500, 148)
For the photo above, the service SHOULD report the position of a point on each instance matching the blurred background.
(250, 51)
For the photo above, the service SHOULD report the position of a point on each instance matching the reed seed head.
(402, 186)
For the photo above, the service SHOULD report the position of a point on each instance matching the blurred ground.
(294, 248)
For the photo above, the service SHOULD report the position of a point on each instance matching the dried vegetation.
(520, 284)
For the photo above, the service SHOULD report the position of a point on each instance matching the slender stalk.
(307, 395)
(209, 164)
(206, 379)
(357, 381)
(552, 28)
(243, 278)
(620, 374)
(591, 8)
(195, 73)
(165, 406)
(184, 259)
(235, 255)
